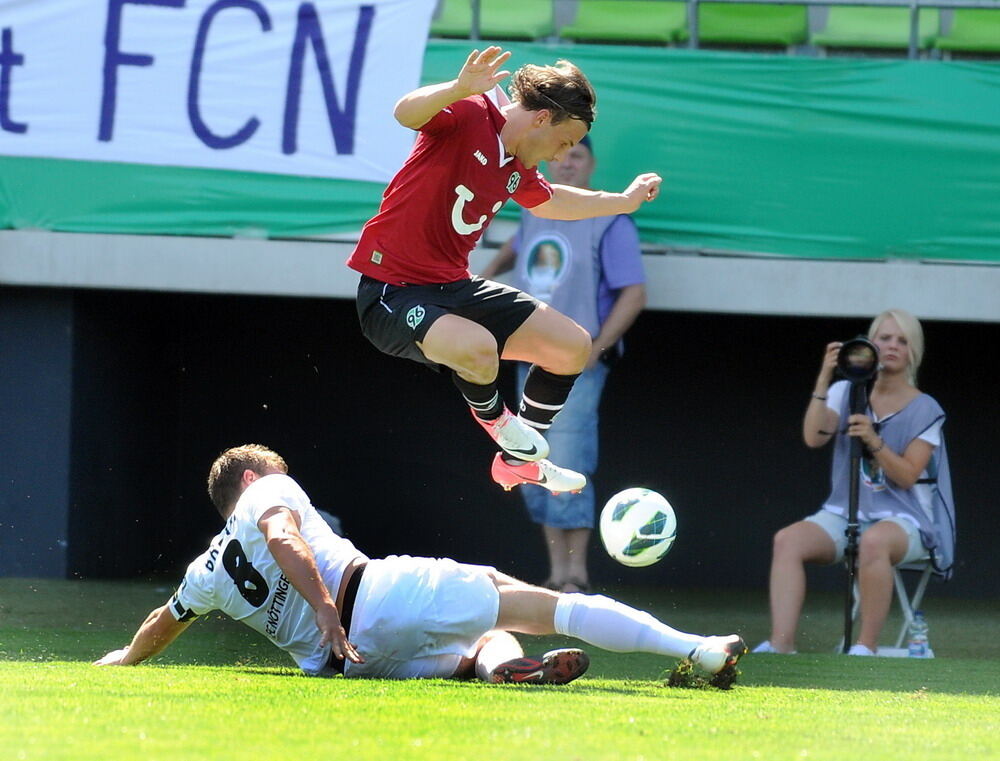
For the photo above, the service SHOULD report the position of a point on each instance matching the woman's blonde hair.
(911, 328)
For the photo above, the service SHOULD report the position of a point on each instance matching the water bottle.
(918, 645)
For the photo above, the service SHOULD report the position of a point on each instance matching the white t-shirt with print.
(238, 575)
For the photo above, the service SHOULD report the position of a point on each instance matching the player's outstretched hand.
(114, 658)
(328, 621)
(645, 187)
(479, 73)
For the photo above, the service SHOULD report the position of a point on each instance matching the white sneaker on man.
(515, 437)
(540, 473)
(716, 655)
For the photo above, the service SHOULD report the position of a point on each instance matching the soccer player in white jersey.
(278, 567)
(475, 149)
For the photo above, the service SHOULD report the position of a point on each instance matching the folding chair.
(907, 602)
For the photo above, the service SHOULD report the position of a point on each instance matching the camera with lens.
(857, 360)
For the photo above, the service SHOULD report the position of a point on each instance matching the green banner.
(777, 155)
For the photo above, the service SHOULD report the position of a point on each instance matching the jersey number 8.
(249, 581)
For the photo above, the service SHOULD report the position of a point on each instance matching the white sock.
(501, 647)
(614, 626)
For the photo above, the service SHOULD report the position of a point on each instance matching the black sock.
(544, 396)
(484, 400)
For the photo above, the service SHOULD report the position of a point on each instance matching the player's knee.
(573, 352)
(478, 362)
(583, 347)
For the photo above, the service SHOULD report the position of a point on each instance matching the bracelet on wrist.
(817, 396)
(879, 448)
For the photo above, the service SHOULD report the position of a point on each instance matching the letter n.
(342, 120)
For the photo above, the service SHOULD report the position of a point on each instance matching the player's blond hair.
(562, 89)
(227, 471)
(911, 328)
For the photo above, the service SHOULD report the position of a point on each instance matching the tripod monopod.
(858, 362)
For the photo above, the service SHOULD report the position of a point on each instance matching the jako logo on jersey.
(513, 182)
(415, 316)
(480, 157)
(458, 221)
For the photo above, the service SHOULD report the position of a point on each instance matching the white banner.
(302, 87)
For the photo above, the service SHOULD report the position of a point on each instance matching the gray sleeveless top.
(879, 497)
(559, 261)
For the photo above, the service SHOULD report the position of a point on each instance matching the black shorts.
(395, 317)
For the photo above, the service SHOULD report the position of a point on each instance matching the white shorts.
(418, 617)
(836, 526)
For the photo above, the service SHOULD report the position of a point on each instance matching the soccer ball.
(638, 527)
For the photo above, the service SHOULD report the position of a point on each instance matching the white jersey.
(238, 575)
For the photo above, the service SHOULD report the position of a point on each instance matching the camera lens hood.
(857, 360)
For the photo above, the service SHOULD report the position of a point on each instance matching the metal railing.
(914, 7)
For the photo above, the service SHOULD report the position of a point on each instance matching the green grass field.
(222, 692)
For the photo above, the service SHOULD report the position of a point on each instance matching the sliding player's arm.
(158, 630)
(295, 557)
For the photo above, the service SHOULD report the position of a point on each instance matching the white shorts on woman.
(836, 527)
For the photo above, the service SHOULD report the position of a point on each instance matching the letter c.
(194, 80)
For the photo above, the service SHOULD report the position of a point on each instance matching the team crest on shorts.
(415, 316)
(513, 182)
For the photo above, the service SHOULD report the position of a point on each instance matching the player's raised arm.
(158, 630)
(480, 73)
(569, 202)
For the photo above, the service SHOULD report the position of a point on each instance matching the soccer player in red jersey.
(475, 149)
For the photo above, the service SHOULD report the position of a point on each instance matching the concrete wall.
(36, 361)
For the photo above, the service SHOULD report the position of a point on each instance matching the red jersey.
(436, 208)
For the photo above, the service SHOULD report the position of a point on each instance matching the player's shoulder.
(469, 113)
(275, 483)
(456, 117)
(273, 490)
(199, 576)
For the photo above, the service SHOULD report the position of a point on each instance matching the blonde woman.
(905, 505)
